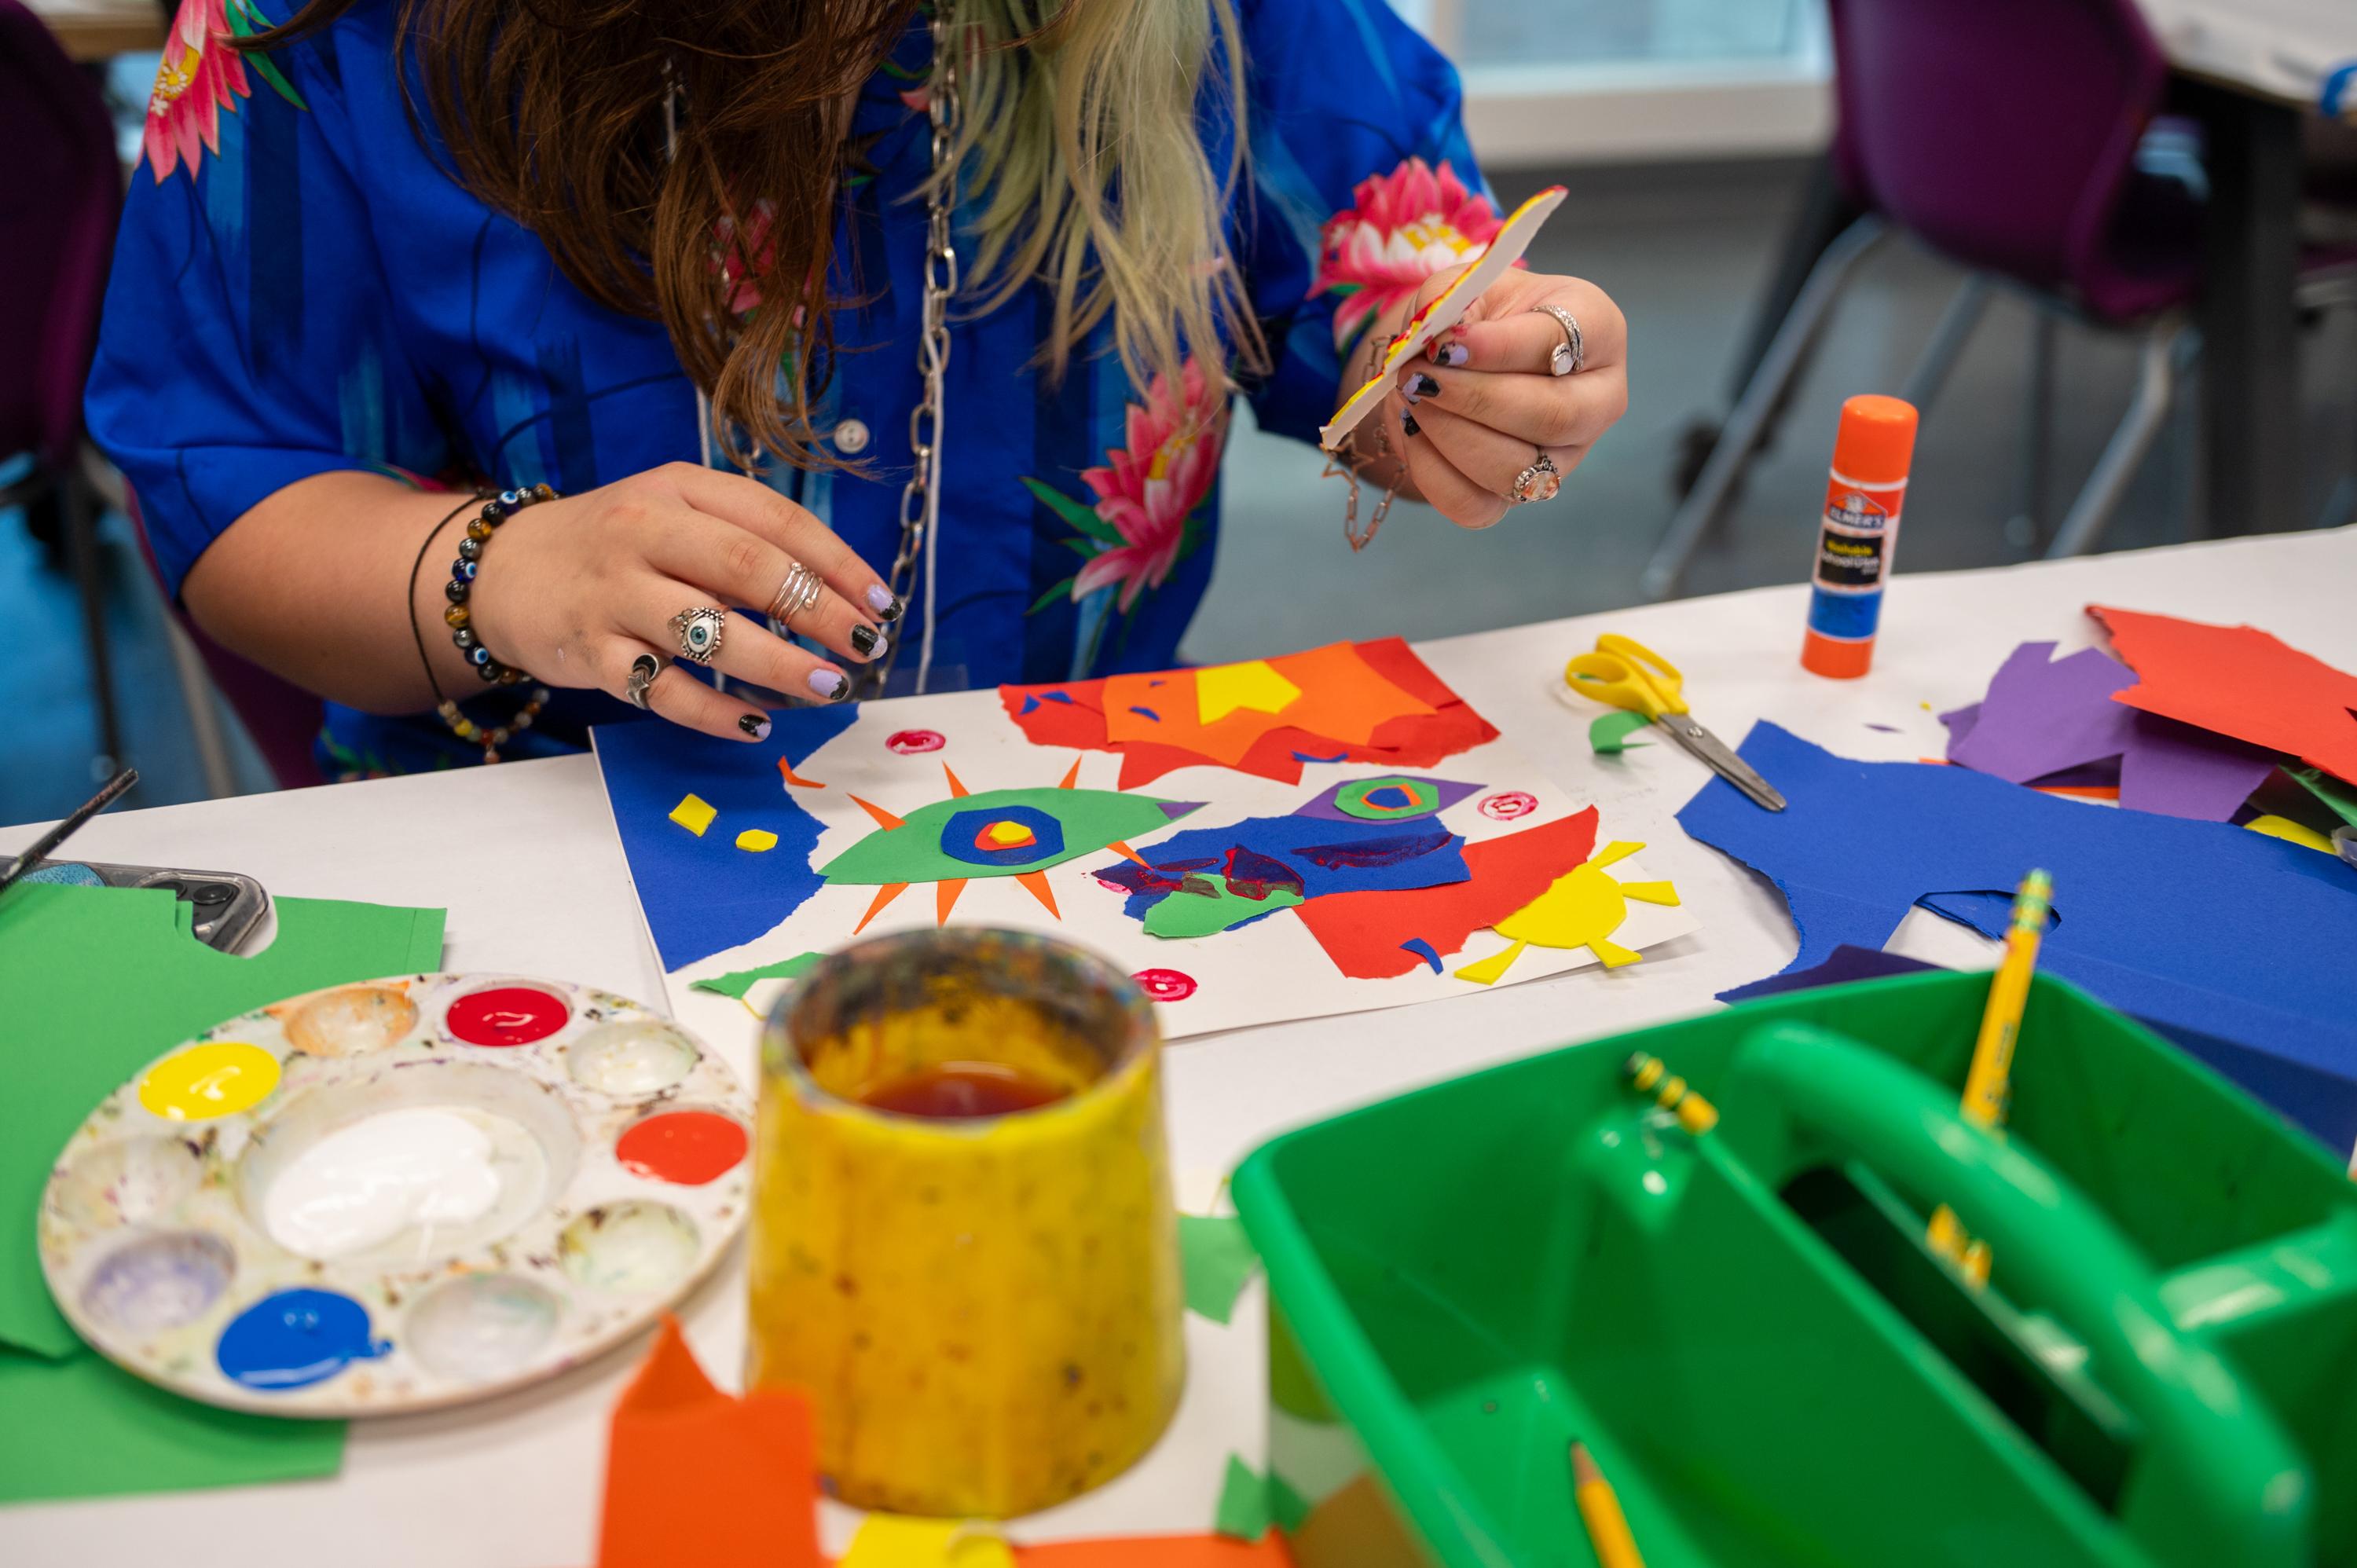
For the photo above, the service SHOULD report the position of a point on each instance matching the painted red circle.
(908, 741)
(1508, 804)
(686, 1148)
(507, 1016)
(1166, 984)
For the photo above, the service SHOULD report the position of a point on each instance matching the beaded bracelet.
(496, 511)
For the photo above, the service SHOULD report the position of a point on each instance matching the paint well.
(158, 1282)
(629, 1248)
(366, 1183)
(631, 1058)
(481, 1328)
(507, 1016)
(126, 1183)
(686, 1148)
(350, 1021)
(293, 1338)
(218, 1078)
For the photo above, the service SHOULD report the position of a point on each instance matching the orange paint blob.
(685, 1148)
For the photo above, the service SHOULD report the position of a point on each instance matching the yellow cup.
(984, 1312)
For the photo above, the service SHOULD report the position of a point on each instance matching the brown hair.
(554, 113)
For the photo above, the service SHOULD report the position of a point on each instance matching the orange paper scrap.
(694, 1475)
(1158, 1551)
(2238, 681)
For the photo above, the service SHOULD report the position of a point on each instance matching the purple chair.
(58, 207)
(2019, 138)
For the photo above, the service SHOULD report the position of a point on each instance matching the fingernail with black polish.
(830, 684)
(865, 640)
(1421, 386)
(1448, 353)
(755, 724)
(1408, 426)
(884, 602)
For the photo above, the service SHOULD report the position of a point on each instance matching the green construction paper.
(1286, 1506)
(1244, 1503)
(82, 1427)
(1216, 1258)
(99, 981)
(2342, 798)
(741, 981)
(1609, 736)
(1188, 913)
(929, 845)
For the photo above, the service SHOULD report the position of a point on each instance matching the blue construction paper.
(2195, 925)
(2323, 1104)
(704, 895)
(1311, 855)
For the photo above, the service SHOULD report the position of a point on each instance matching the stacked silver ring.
(1571, 354)
(796, 595)
(643, 670)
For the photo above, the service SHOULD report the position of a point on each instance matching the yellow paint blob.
(1223, 688)
(695, 813)
(1582, 908)
(220, 1078)
(756, 840)
(890, 1541)
(1009, 836)
(2284, 828)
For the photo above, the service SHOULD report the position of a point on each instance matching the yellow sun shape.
(1582, 908)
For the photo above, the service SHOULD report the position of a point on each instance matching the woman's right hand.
(575, 590)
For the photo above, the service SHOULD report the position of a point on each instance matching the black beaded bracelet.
(461, 586)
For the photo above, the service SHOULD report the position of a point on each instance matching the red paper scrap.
(1362, 932)
(695, 1476)
(2238, 681)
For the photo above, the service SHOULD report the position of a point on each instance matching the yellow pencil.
(1988, 1082)
(1600, 1509)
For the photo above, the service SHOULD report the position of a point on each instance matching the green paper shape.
(1216, 1258)
(2340, 797)
(1609, 736)
(739, 982)
(1244, 1503)
(1352, 798)
(82, 1427)
(1188, 913)
(1288, 1508)
(1091, 820)
(100, 982)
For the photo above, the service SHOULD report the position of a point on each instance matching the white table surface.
(2274, 49)
(541, 888)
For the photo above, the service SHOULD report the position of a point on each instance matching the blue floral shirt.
(299, 287)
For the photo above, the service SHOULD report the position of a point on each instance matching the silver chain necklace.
(921, 498)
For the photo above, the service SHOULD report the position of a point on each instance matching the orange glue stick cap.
(1877, 440)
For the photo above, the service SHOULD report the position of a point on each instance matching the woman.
(398, 247)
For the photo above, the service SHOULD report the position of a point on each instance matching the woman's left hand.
(1480, 406)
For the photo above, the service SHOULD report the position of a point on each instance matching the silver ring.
(699, 633)
(1539, 482)
(643, 670)
(796, 595)
(1571, 354)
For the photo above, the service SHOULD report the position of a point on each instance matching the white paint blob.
(368, 1182)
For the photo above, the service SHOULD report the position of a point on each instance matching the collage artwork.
(1321, 832)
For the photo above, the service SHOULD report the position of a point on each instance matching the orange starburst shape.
(1581, 908)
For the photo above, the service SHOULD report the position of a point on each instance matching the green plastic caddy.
(1747, 1330)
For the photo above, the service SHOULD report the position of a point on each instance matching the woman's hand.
(576, 590)
(1480, 405)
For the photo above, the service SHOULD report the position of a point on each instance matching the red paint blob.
(958, 1091)
(907, 741)
(686, 1148)
(1165, 984)
(507, 1016)
(1506, 805)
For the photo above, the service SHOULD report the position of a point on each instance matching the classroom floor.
(1685, 251)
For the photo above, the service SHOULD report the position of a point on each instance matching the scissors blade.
(1714, 751)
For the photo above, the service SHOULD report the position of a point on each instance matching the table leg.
(2250, 374)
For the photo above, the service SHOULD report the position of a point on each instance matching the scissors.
(1625, 674)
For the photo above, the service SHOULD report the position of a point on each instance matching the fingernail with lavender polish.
(865, 640)
(1448, 353)
(1408, 426)
(884, 602)
(830, 684)
(755, 724)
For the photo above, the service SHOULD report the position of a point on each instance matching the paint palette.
(397, 1194)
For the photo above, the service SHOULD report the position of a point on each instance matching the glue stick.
(1863, 495)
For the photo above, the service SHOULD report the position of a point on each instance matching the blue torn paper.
(1306, 857)
(2192, 925)
(701, 894)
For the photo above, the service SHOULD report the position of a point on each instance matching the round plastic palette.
(397, 1194)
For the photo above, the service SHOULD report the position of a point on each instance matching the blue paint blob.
(1423, 949)
(1148, 714)
(293, 1338)
(1030, 705)
(1063, 697)
(962, 833)
(1389, 798)
(1304, 756)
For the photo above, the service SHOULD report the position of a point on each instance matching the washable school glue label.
(1859, 530)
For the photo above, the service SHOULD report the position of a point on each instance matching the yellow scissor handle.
(1626, 674)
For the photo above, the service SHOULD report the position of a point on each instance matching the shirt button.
(851, 438)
